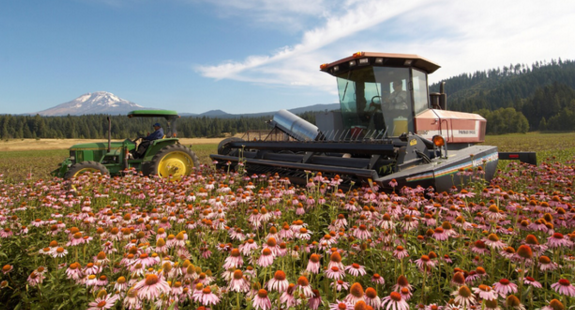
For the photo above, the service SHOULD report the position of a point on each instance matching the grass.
(17, 165)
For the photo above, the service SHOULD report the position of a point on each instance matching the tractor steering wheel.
(377, 105)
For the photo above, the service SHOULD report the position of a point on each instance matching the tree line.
(542, 94)
(95, 126)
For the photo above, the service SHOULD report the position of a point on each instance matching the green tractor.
(164, 157)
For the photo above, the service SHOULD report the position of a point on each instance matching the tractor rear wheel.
(78, 169)
(173, 161)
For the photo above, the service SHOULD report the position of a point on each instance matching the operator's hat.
(157, 125)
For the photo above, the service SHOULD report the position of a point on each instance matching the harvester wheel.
(223, 148)
(78, 169)
(173, 161)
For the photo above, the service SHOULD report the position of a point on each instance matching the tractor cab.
(386, 95)
(151, 115)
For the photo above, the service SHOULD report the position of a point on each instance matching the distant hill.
(99, 102)
(222, 114)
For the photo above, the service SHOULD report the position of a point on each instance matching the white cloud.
(462, 36)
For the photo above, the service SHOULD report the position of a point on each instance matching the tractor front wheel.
(173, 161)
(78, 169)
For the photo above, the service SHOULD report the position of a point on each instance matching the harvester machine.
(389, 130)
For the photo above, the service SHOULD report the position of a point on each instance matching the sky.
(249, 56)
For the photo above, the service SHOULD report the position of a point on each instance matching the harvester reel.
(173, 161)
(78, 169)
(223, 146)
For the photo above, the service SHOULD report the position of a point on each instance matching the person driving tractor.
(157, 134)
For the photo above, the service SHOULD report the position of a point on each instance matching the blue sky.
(245, 56)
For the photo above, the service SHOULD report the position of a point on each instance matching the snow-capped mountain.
(99, 102)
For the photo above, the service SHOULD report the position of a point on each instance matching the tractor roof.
(153, 113)
(380, 59)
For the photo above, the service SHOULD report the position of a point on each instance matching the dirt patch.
(61, 144)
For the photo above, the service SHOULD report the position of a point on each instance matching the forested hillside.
(542, 94)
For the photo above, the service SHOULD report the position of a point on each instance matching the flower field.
(230, 240)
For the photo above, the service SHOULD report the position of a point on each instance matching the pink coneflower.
(303, 233)
(303, 287)
(340, 305)
(103, 301)
(74, 272)
(485, 292)
(266, 259)
(121, 284)
(402, 283)
(238, 283)
(278, 282)
(554, 304)
(371, 298)
(340, 285)
(355, 270)
(464, 297)
(248, 246)
(313, 264)
(439, 234)
(493, 242)
(7, 268)
(288, 298)
(60, 252)
(400, 252)
(504, 287)
(131, 301)
(564, 287)
(394, 301)
(35, 278)
(355, 294)
(6, 232)
(207, 297)
(314, 302)
(335, 260)
(234, 260)
(362, 233)
(335, 273)
(545, 264)
(479, 247)
(512, 302)
(377, 279)
(424, 263)
(532, 282)
(557, 240)
(152, 287)
(261, 300)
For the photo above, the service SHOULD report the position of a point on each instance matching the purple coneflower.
(371, 298)
(355, 294)
(152, 287)
(464, 297)
(400, 252)
(278, 282)
(485, 292)
(239, 283)
(355, 270)
(103, 301)
(394, 301)
(313, 264)
(340, 305)
(505, 287)
(564, 287)
(261, 300)
(335, 273)
(266, 259)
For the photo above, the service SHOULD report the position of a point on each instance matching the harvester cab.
(389, 130)
(164, 157)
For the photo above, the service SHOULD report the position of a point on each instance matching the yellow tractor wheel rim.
(85, 170)
(175, 165)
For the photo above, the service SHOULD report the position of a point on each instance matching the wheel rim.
(85, 170)
(175, 165)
